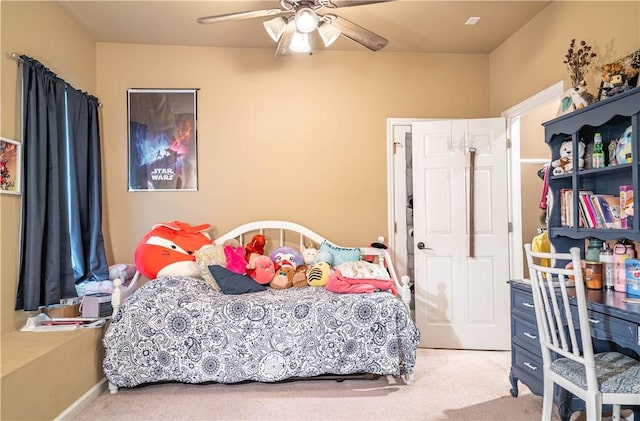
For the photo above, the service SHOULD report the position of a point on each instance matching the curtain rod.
(17, 58)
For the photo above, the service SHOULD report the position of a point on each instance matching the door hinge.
(510, 227)
(395, 147)
(508, 143)
(395, 227)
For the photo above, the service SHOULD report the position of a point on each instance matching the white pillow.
(363, 270)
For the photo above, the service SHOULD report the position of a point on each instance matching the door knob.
(421, 246)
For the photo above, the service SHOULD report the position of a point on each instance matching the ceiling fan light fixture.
(275, 27)
(300, 43)
(329, 33)
(306, 20)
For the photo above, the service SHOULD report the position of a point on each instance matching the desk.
(615, 326)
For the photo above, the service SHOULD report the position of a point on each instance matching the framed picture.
(620, 75)
(162, 153)
(10, 166)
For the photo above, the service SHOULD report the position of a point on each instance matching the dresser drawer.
(522, 305)
(608, 328)
(527, 367)
(525, 334)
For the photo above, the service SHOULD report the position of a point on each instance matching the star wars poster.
(162, 139)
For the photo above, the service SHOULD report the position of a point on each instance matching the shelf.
(609, 116)
(624, 104)
(601, 233)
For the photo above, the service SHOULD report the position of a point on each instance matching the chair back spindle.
(565, 340)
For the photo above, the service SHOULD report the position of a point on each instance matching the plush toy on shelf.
(565, 163)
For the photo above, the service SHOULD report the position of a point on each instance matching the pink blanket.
(339, 283)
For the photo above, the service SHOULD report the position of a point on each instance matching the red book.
(590, 213)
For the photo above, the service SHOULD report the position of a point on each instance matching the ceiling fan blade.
(335, 4)
(240, 15)
(357, 33)
(285, 40)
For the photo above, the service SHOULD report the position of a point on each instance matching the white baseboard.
(75, 408)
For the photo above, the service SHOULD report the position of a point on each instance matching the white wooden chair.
(598, 379)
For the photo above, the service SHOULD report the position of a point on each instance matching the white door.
(461, 301)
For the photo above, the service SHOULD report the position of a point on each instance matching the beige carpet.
(449, 385)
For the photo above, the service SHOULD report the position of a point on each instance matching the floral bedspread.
(179, 329)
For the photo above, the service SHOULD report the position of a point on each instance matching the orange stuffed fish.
(169, 249)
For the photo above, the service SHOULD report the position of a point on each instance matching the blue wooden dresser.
(615, 325)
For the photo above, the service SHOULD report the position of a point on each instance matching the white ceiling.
(409, 25)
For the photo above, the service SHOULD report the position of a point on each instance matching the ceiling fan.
(301, 17)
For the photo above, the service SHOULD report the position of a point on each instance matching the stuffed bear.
(564, 164)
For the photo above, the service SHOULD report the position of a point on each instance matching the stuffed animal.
(564, 164)
(318, 275)
(283, 278)
(264, 270)
(253, 249)
(581, 97)
(235, 259)
(300, 276)
(169, 249)
(309, 254)
(324, 256)
(614, 79)
(286, 256)
(575, 98)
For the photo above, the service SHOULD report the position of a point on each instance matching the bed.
(179, 329)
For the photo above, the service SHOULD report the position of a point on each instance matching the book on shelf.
(610, 206)
(587, 206)
(595, 201)
(564, 208)
(598, 211)
(626, 207)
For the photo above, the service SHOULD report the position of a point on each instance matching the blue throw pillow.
(340, 254)
(233, 283)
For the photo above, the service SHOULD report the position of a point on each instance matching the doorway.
(399, 131)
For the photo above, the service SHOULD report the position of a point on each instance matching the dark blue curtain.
(61, 232)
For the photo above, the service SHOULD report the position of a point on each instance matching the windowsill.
(22, 348)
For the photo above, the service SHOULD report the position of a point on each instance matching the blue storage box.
(632, 272)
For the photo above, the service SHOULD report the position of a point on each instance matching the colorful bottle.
(608, 273)
(622, 250)
(598, 153)
(593, 250)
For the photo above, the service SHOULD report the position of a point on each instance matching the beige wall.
(61, 369)
(531, 60)
(70, 53)
(533, 147)
(297, 138)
